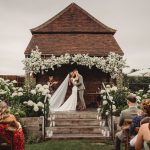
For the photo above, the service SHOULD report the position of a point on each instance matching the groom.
(81, 88)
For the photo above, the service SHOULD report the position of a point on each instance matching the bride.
(56, 102)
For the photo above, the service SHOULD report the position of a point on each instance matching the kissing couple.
(75, 80)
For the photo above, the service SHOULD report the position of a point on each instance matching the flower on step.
(107, 113)
(113, 108)
(98, 110)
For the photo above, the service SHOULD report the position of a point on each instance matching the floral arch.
(112, 64)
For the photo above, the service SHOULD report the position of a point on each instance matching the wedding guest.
(145, 112)
(128, 113)
(10, 128)
(51, 83)
(143, 137)
(139, 120)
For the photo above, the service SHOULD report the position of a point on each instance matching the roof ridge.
(64, 10)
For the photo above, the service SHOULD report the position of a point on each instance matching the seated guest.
(146, 118)
(128, 113)
(10, 128)
(145, 112)
(143, 137)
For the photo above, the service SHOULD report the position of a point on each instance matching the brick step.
(76, 122)
(75, 130)
(78, 136)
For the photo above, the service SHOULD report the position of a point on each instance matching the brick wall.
(19, 79)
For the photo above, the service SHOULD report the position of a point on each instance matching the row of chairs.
(126, 126)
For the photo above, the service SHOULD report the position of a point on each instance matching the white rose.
(105, 102)
(14, 94)
(2, 92)
(104, 97)
(45, 86)
(14, 81)
(20, 89)
(140, 91)
(46, 91)
(148, 91)
(125, 88)
(106, 113)
(41, 89)
(36, 108)
(138, 97)
(25, 102)
(30, 103)
(108, 86)
(132, 94)
(102, 91)
(20, 93)
(38, 86)
(98, 110)
(40, 104)
(33, 92)
(145, 96)
(114, 88)
(113, 107)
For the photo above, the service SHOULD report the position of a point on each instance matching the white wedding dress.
(57, 100)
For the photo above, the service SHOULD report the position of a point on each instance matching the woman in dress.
(143, 137)
(71, 103)
(10, 129)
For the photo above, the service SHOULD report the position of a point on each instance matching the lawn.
(69, 145)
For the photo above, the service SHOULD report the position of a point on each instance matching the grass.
(69, 145)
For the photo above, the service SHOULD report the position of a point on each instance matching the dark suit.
(81, 88)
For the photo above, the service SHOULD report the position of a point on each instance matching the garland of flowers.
(112, 64)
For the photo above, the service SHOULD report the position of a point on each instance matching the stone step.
(74, 115)
(75, 130)
(76, 122)
(78, 136)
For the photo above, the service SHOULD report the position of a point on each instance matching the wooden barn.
(74, 31)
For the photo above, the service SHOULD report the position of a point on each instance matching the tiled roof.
(73, 31)
(73, 19)
(93, 44)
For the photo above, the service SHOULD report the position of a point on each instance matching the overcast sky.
(131, 19)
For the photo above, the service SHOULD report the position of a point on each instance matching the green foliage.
(137, 83)
(70, 145)
(24, 101)
(18, 111)
(118, 97)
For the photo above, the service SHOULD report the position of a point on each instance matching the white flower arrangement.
(112, 64)
(36, 107)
